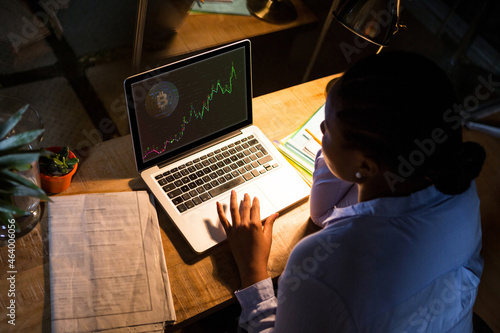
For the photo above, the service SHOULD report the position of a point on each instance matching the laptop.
(194, 142)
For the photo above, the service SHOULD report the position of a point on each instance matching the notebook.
(193, 139)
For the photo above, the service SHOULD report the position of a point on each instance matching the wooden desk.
(200, 284)
(203, 31)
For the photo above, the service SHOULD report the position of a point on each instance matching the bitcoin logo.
(162, 100)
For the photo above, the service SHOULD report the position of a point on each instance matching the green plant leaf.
(14, 177)
(7, 126)
(11, 189)
(4, 218)
(22, 190)
(23, 167)
(57, 164)
(19, 140)
(19, 160)
(6, 186)
(8, 208)
(45, 153)
(64, 152)
(72, 161)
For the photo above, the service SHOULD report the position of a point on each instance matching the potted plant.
(57, 169)
(16, 161)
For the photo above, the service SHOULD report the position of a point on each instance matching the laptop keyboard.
(217, 172)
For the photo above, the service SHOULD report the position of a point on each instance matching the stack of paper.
(300, 147)
(234, 7)
(107, 266)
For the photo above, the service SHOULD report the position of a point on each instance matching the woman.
(404, 256)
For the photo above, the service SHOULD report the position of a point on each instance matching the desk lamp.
(374, 20)
(273, 11)
(377, 21)
(469, 121)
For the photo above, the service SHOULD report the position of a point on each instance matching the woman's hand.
(250, 242)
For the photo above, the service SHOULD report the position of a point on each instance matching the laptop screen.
(180, 106)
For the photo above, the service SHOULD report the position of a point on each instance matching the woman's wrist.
(252, 276)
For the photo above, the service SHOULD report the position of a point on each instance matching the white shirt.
(396, 264)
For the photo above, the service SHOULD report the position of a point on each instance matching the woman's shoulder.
(330, 244)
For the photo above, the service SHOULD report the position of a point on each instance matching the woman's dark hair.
(400, 109)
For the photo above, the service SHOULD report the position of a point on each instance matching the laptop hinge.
(199, 148)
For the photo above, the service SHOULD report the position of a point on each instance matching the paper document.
(235, 7)
(300, 147)
(107, 267)
(303, 141)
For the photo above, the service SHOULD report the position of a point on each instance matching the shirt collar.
(391, 206)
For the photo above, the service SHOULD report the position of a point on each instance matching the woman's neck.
(378, 187)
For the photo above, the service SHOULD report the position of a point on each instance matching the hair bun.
(462, 169)
(471, 156)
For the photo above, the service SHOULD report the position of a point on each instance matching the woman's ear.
(369, 167)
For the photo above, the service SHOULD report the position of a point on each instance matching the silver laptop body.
(193, 139)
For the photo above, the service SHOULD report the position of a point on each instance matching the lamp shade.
(374, 20)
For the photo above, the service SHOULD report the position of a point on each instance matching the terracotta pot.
(57, 184)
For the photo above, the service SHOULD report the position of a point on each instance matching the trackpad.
(208, 213)
(266, 208)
